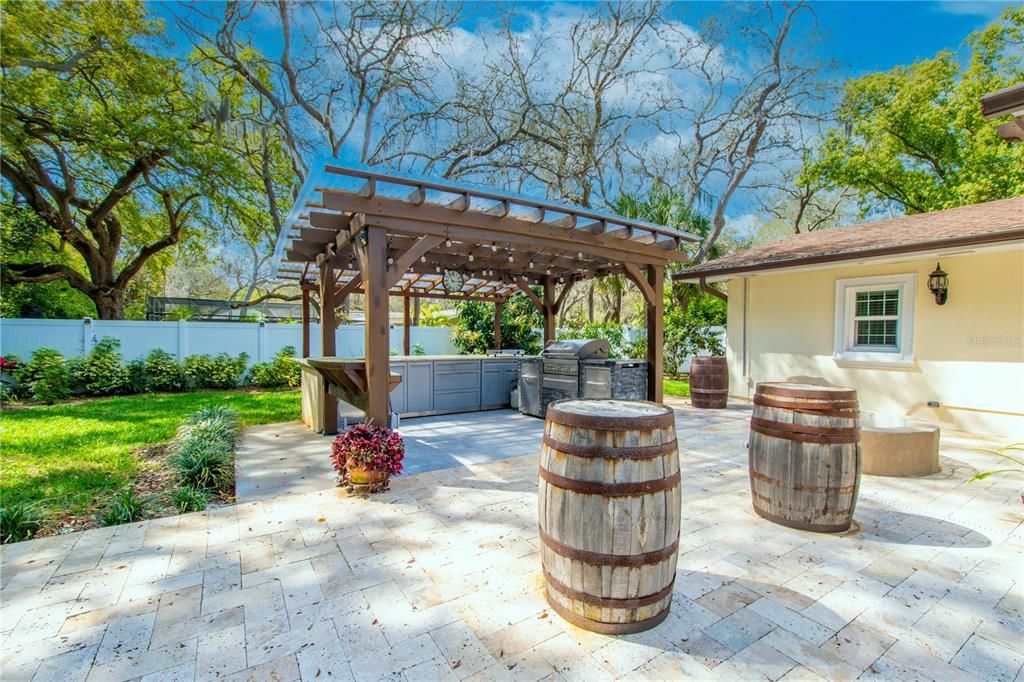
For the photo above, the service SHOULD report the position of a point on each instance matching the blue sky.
(859, 37)
(873, 36)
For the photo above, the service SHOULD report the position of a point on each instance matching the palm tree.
(669, 207)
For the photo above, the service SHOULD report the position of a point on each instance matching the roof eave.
(1004, 236)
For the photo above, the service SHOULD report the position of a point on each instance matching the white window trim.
(846, 290)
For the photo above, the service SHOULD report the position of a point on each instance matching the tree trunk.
(590, 303)
(416, 312)
(109, 303)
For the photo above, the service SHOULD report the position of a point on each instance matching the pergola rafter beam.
(525, 234)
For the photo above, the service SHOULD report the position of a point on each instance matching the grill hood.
(578, 349)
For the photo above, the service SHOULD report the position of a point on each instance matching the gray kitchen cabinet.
(419, 391)
(457, 385)
(496, 381)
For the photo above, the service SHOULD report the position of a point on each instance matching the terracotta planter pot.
(357, 475)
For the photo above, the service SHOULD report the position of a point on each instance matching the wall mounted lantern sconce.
(938, 284)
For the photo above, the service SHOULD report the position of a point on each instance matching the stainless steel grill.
(559, 375)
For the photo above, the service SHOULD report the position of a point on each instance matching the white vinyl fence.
(260, 340)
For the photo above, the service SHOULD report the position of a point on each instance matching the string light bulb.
(423, 259)
(391, 261)
(448, 243)
(531, 265)
(470, 258)
(579, 254)
(494, 247)
(437, 269)
(510, 259)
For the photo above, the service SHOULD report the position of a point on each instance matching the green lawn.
(72, 456)
(676, 387)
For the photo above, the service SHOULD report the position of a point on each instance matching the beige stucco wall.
(968, 354)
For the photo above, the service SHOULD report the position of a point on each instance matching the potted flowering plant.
(365, 457)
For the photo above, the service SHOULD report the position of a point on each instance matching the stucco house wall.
(968, 355)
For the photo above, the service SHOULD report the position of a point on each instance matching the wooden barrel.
(609, 504)
(709, 382)
(805, 455)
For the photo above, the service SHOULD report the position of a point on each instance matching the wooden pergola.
(382, 234)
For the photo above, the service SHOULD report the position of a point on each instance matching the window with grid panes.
(876, 318)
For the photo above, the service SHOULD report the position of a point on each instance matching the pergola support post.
(499, 305)
(327, 346)
(406, 324)
(549, 310)
(656, 334)
(305, 322)
(377, 340)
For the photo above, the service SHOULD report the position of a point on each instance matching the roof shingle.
(993, 221)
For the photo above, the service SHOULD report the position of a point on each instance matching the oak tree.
(110, 147)
(913, 139)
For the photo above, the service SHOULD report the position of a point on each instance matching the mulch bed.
(155, 483)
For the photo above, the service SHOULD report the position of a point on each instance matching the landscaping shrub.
(102, 372)
(474, 326)
(188, 499)
(214, 423)
(283, 371)
(692, 331)
(135, 376)
(637, 348)
(218, 371)
(164, 373)
(19, 521)
(202, 464)
(125, 507)
(203, 450)
(46, 378)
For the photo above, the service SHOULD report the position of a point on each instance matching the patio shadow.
(881, 524)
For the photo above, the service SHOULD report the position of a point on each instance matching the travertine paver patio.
(439, 579)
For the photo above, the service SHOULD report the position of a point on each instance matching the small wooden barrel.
(805, 455)
(709, 382)
(609, 505)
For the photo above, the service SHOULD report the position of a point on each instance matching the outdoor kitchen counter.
(431, 384)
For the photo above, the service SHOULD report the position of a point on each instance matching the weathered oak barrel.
(709, 382)
(609, 505)
(805, 455)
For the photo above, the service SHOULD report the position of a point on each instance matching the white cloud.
(975, 8)
(744, 225)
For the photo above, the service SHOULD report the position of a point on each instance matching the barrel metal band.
(813, 393)
(599, 559)
(610, 451)
(611, 489)
(608, 602)
(805, 525)
(841, 437)
(819, 429)
(832, 409)
(602, 627)
(600, 422)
